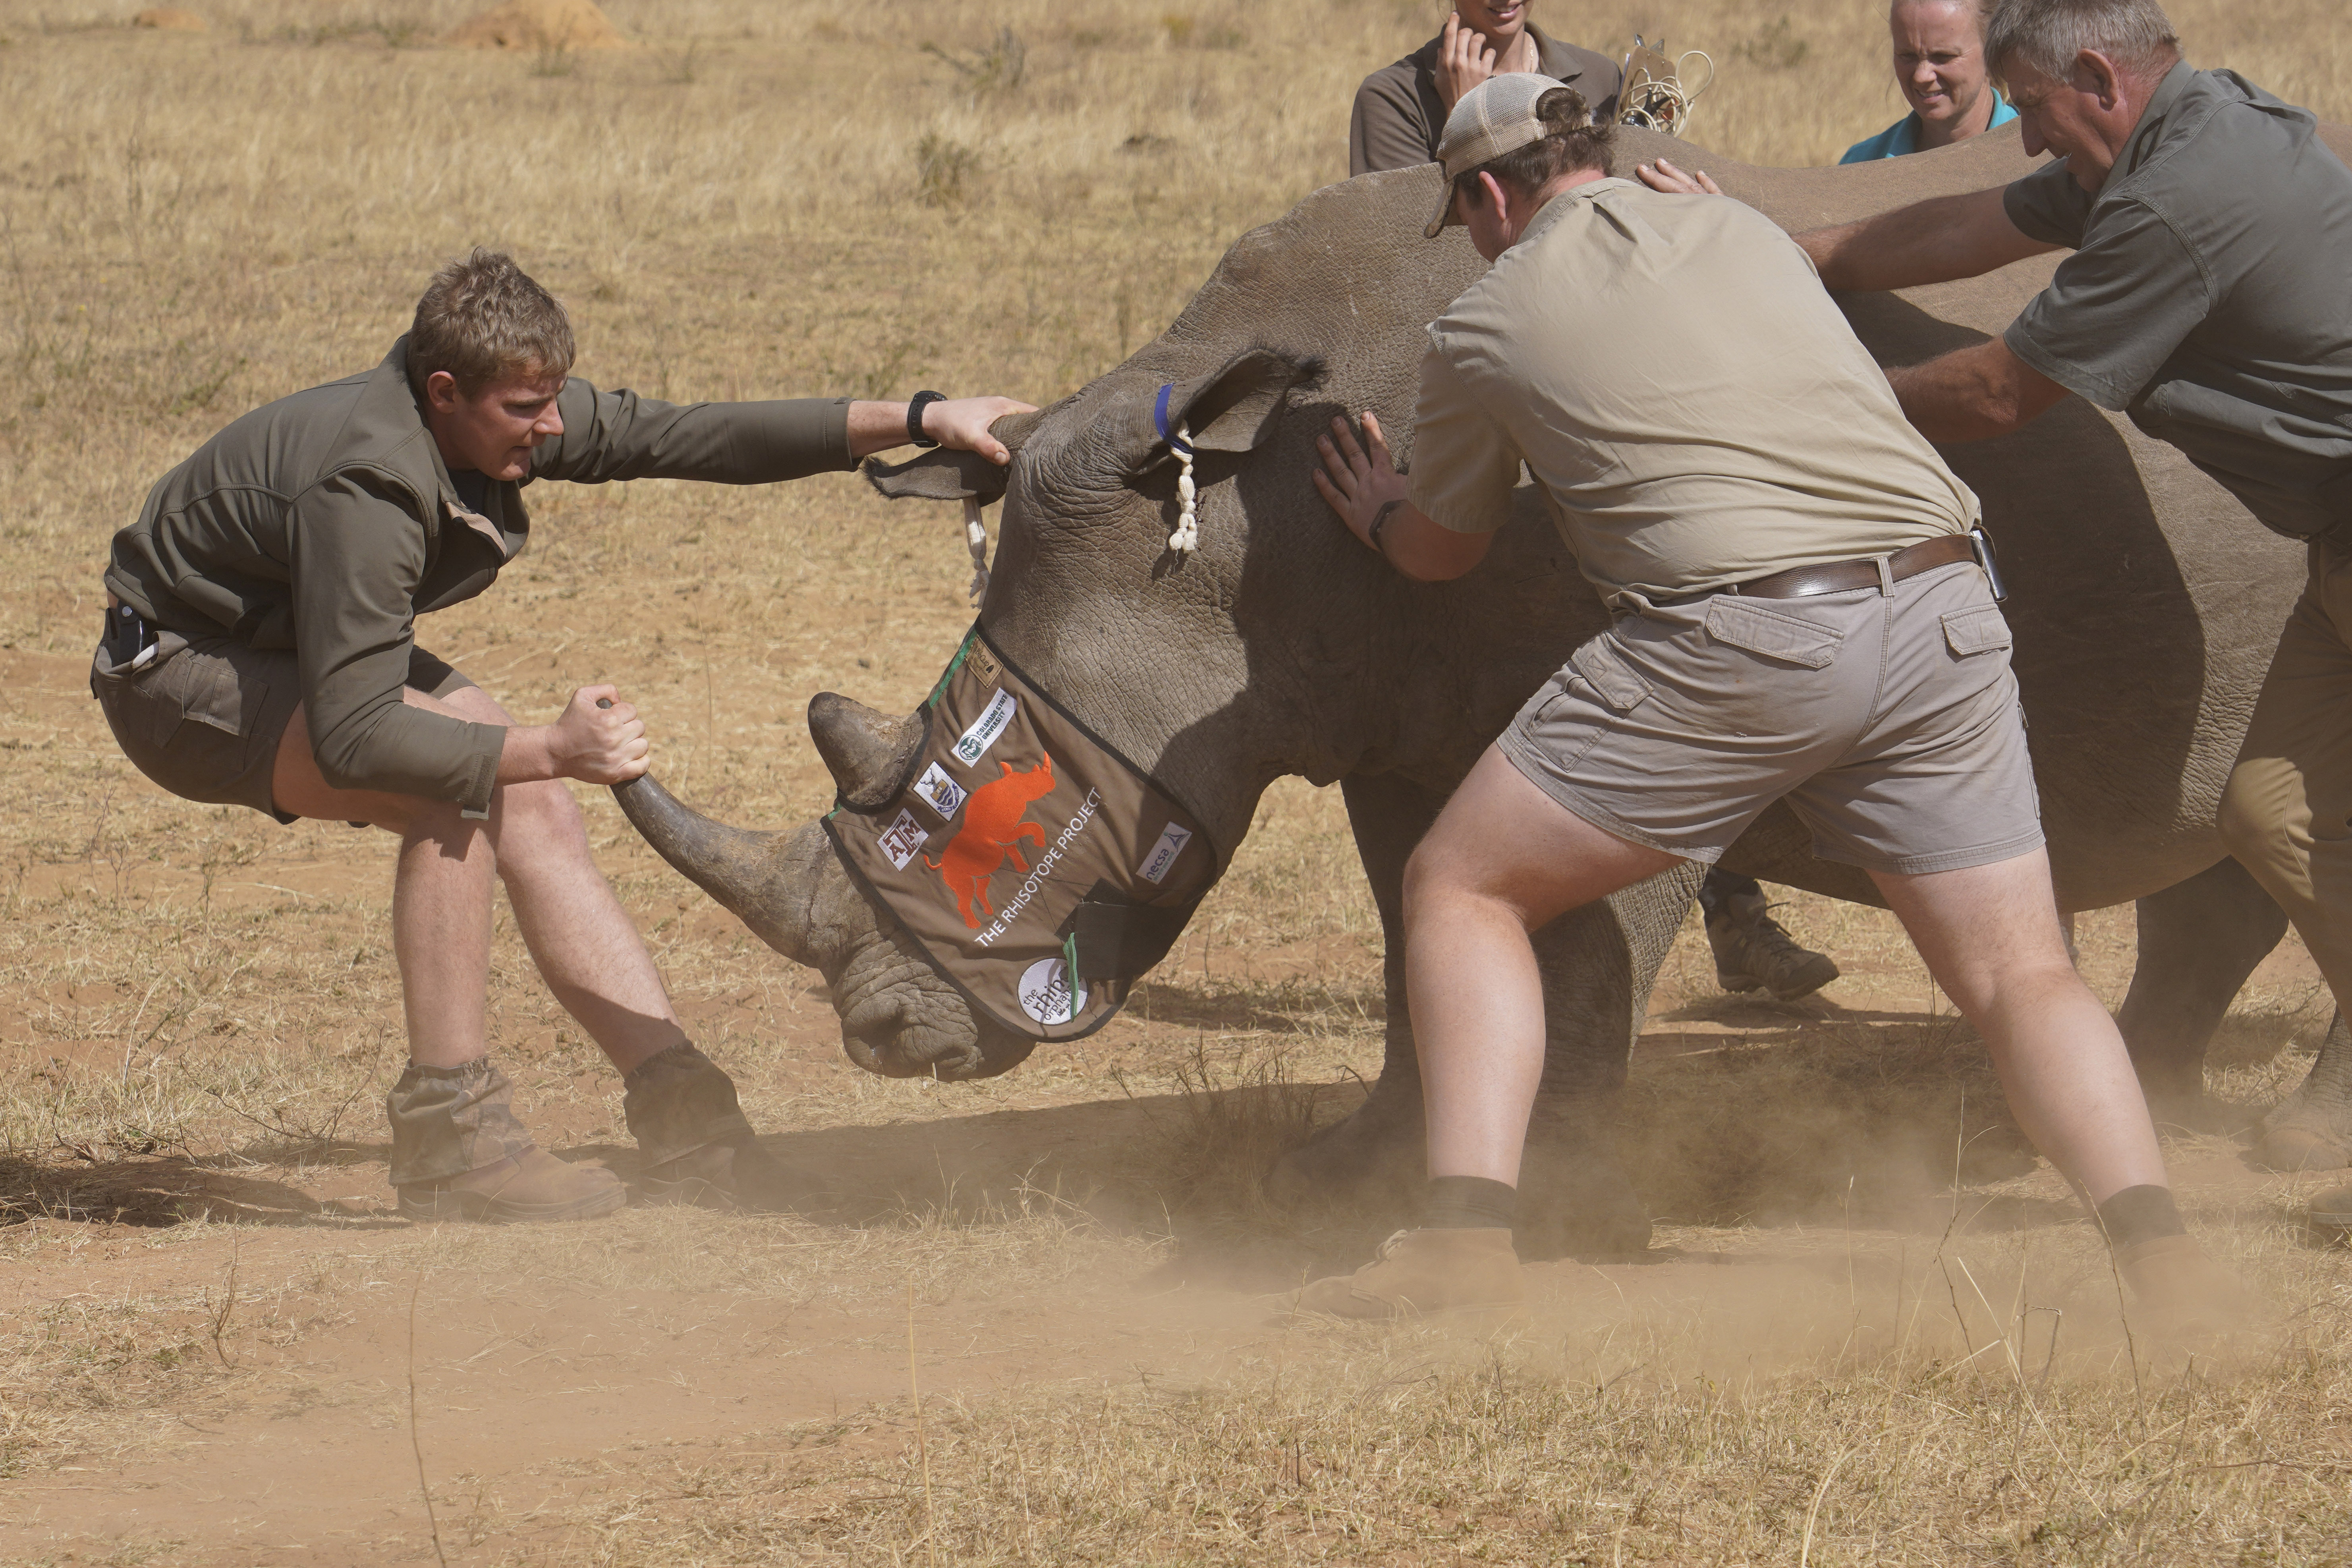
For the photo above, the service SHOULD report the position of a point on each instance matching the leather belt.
(1844, 577)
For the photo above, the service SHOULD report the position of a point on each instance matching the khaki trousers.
(2286, 814)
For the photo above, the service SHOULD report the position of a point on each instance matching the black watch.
(915, 407)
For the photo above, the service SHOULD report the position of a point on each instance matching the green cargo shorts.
(203, 716)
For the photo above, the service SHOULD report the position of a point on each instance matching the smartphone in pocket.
(130, 640)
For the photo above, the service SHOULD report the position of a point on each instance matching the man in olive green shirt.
(260, 650)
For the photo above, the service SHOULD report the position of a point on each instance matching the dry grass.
(199, 1009)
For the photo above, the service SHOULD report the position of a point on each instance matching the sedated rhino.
(2144, 602)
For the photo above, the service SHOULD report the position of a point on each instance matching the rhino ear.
(939, 474)
(1235, 407)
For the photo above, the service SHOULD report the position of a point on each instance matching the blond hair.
(482, 320)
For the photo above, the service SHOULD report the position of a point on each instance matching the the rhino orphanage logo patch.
(1047, 993)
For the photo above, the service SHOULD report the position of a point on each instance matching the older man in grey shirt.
(2209, 297)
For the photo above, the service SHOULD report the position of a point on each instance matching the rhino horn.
(865, 752)
(765, 879)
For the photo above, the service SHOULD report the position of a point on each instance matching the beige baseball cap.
(1496, 117)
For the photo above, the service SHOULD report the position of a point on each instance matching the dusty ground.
(1835, 1353)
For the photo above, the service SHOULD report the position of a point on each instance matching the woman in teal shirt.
(1940, 66)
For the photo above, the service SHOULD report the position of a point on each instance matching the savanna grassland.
(217, 1345)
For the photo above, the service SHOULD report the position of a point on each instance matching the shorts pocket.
(207, 690)
(1980, 628)
(1744, 623)
(1611, 677)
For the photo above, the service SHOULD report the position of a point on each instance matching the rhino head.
(1086, 597)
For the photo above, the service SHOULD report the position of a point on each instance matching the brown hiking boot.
(1421, 1272)
(736, 1176)
(534, 1185)
(2186, 1289)
(1753, 950)
(698, 1147)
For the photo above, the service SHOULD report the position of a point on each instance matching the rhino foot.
(1575, 1201)
(2311, 1130)
(2301, 1136)
(1372, 1158)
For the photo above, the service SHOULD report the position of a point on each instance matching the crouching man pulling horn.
(1800, 616)
(260, 650)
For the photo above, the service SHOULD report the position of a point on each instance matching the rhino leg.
(1372, 1157)
(1598, 965)
(2311, 1130)
(2199, 940)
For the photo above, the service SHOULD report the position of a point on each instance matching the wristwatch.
(915, 406)
(1381, 520)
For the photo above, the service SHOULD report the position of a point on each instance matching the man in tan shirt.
(1800, 616)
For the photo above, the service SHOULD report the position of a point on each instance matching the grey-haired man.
(2209, 297)
(1800, 617)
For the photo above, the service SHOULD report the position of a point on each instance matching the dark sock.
(1719, 887)
(2140, 1214)
(1470, 1202)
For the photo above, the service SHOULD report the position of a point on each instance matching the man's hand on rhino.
(1664, 176)
(960, 423)
(599, 739)
(1365, 488)
(1355, 484)
(1463, 61)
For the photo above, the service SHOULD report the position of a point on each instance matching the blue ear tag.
(1160, 420)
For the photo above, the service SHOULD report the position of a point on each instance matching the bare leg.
(1990, 937)
(1502, 859)
(581, 940)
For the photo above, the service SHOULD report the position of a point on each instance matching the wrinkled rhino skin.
(2145, 603)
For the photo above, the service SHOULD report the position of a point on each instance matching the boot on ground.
(1753, 950)
(1420, 1273)
(698, 1146)
(533, 1186)
(459, 1152)
(2183, 1288)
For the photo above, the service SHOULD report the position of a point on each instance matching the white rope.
(1662, 103)
(975, 536)
(1187, 537)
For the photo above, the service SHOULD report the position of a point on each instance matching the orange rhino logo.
(991, 832)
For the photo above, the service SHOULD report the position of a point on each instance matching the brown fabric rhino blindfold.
(1035, 868)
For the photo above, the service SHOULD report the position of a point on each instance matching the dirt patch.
(539, 25)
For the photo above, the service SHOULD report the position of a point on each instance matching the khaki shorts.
(1889, 722)
(202, 718)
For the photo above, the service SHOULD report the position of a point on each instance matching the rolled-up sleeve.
(618, 435)
(2047, 205)
(1464, 465)
(358, 552)
(2116, 309)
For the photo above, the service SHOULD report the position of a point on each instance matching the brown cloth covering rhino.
(1036, 871)
(2144, 600)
